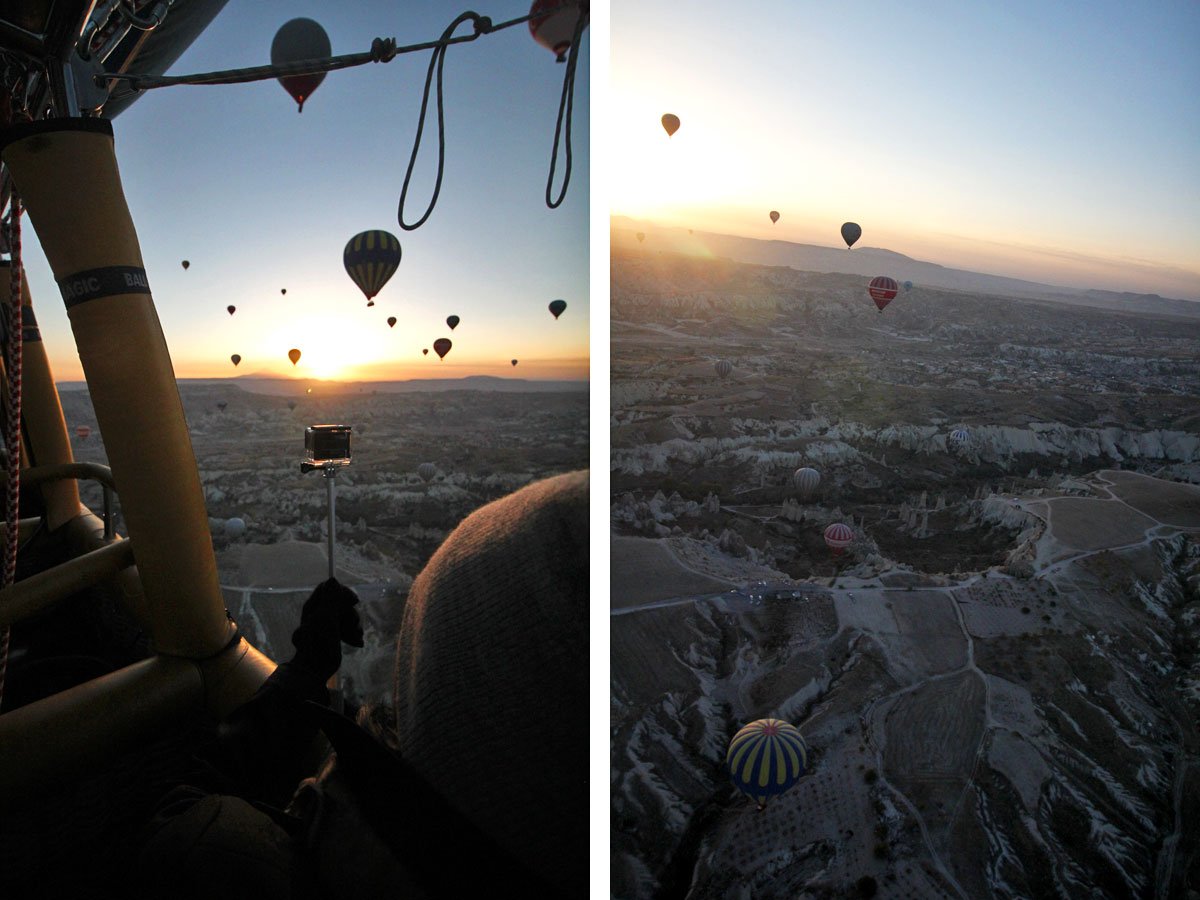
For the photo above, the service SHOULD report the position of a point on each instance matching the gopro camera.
(326, 446)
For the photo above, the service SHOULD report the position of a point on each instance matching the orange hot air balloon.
(441, 347)
(294, 356)
(391, 321)
(236, 358)
(297, 41)
(671, 123)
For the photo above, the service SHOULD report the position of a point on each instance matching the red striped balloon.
(839, 536)
(882, 290)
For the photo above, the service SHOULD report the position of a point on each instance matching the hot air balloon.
(554, 30)
(839, 536)
(235, 527)
(425, 352)
(371, 258)
(641, 236)
(774, 217)
(907, 286)
(851, 233)
(723, 367)
(296, 41)
(291, 404)
(806, 481)
(514, 362)
(185, 265)
(221, 406)
(453, 321)
(960, 438)
(391, 321)
(283, 291)
(427, 470)
(82, 432)
(231, 309)
(294, 356)
(557, 307)
(671, 123)
(441, 347)
(765, 758)
(236, 358)
(882, 289)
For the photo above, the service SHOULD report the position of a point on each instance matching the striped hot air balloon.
(806, 481)
(960, 437)
(765, 758)
(427, 470)
(371, 258)
(839, 536)
(882, 290)
(724, 367)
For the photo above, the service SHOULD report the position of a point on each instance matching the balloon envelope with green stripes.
(371, 258)
(766, 758)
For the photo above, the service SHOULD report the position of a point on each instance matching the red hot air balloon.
(294, 356)
(554, 30)
(670, 123)
(882, 290)
(296, 41)
(774, 217)
(839, 536)
(231, 309)
(441, 347)
(452, 321)
(236, 358)
(557, 307)
(391, 321)
(82, 432)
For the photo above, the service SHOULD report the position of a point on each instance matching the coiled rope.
(12, 410)
(385, 50)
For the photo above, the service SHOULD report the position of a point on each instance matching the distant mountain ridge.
(868, 261)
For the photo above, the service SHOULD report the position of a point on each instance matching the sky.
(1057, 142)
(259, 198)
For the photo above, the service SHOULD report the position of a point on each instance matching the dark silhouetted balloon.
(294, 356)
(851, 233)
(557, 307)
(441, 347)
(283, 291)
(774, 217)
(291, 404)
(185, 265)
(806, 481)
(882, 290)
(839, 536)
(452, 321)
(765, 758)
(514, 362)
(425, 352)
(236, 358)
(371, 258)
(724, 367)
(427, 470)
(221, 406)
(554, 30)
(296, 41)
(391, 321)
(231, 309)
(671, 123)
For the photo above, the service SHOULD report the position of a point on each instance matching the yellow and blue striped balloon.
(765, 758)
(371, 258)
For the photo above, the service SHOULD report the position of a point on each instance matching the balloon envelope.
(514, 362)
(557, 307)
(806, 481)
(231, 309)
(441, 347)
(283, 291)
(671, 123)
(765, 758)
(185, 265)
(82, 431)
(774, 217)
(235, 527)
(453, 321)
(723, 367)
(425, 352)
(554, 30)
(427, 470)
(296, 41)
(960, 437)
(371, 258)
(235, 359)
(851, 233)
(641, 236)
(294, 356)
(291, 404)
(907, 286)
(882, 290)
(839, 536)
(391, 321)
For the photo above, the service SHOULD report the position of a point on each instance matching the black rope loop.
(567, 99)
(436, 61)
